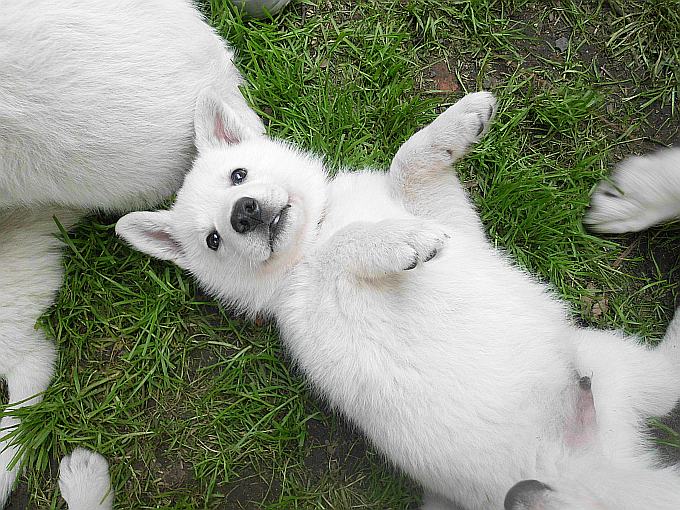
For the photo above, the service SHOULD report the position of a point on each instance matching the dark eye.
(238, 176)
(213, 241)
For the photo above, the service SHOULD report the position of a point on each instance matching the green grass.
(196, 408)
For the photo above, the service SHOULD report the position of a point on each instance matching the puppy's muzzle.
(246, 215)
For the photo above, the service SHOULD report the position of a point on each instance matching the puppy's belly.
(447, 384)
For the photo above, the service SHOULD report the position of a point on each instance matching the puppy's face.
(246, 210)
(256, 201)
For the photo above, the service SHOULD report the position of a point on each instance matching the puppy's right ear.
(216, 124)
(151, 233)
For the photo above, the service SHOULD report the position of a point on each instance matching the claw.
(431, 255)
(412, 266)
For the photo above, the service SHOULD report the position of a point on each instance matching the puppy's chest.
(359, 197)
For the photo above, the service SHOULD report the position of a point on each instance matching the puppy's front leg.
(420, 170)
(374, 250)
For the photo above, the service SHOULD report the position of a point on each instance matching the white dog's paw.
(642, 191)
(448, 138)
(410, 243)
(84, 481)
(463, 124)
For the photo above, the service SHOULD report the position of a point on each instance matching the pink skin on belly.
(580, 427)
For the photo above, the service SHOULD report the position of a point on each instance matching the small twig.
(626, 252)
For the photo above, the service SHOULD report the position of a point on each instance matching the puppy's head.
(244, 214)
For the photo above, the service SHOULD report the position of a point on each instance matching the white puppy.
(466, 372)
(643, 191)
(97, 102)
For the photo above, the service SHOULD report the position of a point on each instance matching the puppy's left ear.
(217, 124)
(151, 233)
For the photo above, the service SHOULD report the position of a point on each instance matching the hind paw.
(641, 192)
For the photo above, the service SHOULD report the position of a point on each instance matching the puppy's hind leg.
(592, 483)
(641, 192)
(630, 383)
(421, 169)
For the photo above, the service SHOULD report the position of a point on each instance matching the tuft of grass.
(195, 408)
(650, 31)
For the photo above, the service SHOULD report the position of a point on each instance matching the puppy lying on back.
(465, 371)
(97, 103)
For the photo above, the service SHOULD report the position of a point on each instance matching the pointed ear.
(215, 123)
(151, 233)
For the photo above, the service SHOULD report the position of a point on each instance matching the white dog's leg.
(29, 376)
(641, 192)
(30, 274)
(421, 169)
(630, 382)
(374, 250)
(84, 481)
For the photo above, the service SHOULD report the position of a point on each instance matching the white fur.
(462, 370)
(643, 191)
(97, 102)
(30, 275)
(97, 99)
(84, 481)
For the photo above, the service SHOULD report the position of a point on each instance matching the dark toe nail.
(412, 266)
(481, 128)
(431, 255)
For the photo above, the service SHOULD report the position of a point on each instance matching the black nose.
(245, 215)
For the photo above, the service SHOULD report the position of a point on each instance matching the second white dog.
(465, 371)
(97, 104)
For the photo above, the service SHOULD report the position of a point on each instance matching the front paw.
(421, 246)
(404, 245)
(463, 124)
